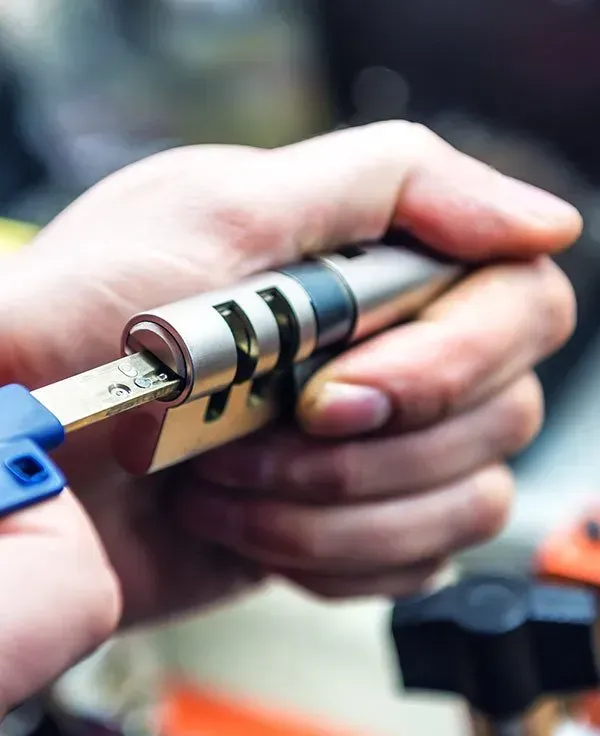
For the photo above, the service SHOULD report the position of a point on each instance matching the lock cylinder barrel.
(389, 284)
(204, 371)
(243, 353)
(281, 318)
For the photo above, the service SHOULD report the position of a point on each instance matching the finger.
(61, 598)
(356, 183)
(390, 584)
(489, 330)
(288, 466)
(161, 570)
(356, 539)
(229, 211)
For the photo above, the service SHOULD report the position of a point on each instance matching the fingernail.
(341, 409)
(542, 206)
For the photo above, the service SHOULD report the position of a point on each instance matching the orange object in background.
(188, 711)
(572, 556)
(586, 711)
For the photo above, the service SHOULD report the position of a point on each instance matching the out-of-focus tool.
(211, 368)
(514, 648)
(571, 556)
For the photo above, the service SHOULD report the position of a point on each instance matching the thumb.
(61, 598)
(197, 218)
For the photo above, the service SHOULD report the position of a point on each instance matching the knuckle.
(332, 474)
(467, 359)
(489, 502)
(422, 139)
(249, 229)
(456, 380)
(453, 388)
(415, 137)
(276, 532)
(304, 541)
(458, 361)
(524, 413)
(240, 197)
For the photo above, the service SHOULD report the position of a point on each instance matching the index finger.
(357, 183)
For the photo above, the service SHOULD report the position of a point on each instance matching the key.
(107, 390)
(217, 366)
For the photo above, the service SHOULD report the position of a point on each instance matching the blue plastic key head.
(23, 417)
(27, 476)
(27, 432)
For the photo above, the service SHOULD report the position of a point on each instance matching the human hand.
(398, 458)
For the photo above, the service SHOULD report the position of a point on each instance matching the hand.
(400, 459)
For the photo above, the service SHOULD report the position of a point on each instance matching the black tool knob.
(501, 642)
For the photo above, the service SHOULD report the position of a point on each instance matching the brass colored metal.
(110, 389)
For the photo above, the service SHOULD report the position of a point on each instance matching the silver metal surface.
(212, 368)
(198, 340)
(108, 390)
(299, 302)
(390, 284)
(203, 340)
(226, 345)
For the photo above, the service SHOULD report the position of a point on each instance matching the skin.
(397, 458)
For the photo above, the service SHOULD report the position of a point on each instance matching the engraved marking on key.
(100, 393)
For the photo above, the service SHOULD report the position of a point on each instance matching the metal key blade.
(110, 389)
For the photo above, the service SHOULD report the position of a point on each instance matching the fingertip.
(473, 212)
(544, 209)
(551, 229)
(571, 230)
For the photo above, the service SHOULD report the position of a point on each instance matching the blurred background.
(87, 86)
